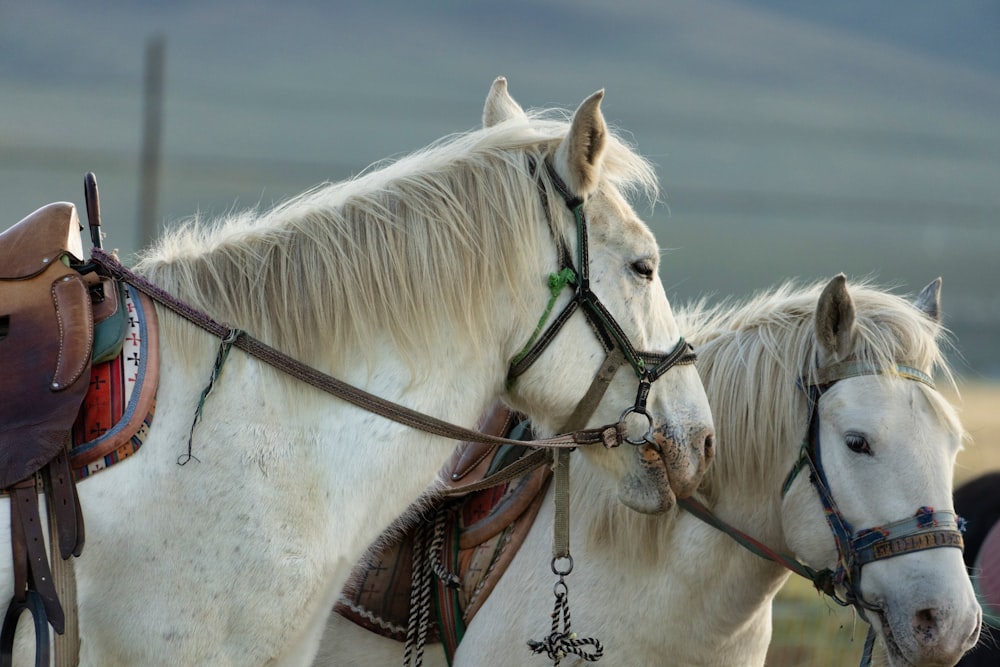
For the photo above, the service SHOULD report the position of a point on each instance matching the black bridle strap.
(926, 529)
(524, 360)
(605, 326)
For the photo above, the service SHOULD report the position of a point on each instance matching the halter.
(647, 366)
(926, 529)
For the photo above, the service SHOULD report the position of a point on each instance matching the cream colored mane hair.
(756, 350)
(398, 251)
(751, 353)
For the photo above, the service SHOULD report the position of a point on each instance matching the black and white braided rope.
(426, 565)
(562, 642)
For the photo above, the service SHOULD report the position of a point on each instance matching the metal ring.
(560, 571)
(647, 437)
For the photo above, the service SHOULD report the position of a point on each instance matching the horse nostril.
(709, 444)
(925, 626)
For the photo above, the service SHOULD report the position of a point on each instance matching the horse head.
(608, 338)
(875, 510)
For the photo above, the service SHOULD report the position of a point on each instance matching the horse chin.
(898, 656)
(646, 488)
(893, 653)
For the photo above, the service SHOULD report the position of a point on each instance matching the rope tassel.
(563, 641)
(220, 359)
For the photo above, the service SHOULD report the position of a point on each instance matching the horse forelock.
(750, 355)
(408, 251)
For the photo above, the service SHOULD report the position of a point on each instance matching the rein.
(610, 436)
(926, 529)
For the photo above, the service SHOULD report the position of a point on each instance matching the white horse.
(670, 589)
(418, 281)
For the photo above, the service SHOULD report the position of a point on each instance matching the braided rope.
(436, 549)
(418, 621)
(563, 642)
(220, 359)
(426, 565)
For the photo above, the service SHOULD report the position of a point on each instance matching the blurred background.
(792, 140)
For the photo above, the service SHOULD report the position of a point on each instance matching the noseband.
(648, 366)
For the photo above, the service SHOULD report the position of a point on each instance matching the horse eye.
(857, 443)
(644, 268)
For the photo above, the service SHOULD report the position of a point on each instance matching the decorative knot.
(563, 641)
(557, 281)
(558, 645)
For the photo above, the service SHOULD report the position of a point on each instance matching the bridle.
(619, 350)
(647, 366)
(926, 529)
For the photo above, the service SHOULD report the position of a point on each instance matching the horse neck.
(656, 561)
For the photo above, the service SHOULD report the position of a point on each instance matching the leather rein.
(648, 366)
(926, 529)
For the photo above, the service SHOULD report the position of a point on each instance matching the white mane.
(751, 354)
(405, 251)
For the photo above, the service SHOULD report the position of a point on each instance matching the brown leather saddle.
(48, 302)
(475, 536)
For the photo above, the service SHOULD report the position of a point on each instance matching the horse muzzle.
(667, 466)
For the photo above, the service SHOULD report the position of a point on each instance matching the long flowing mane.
(750, 355)
(757, 349)
(406, 251)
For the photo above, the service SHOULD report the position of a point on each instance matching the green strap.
(557, 282)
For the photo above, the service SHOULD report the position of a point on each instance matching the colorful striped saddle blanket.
(118, 408)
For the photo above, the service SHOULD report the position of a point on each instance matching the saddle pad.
(986, 576)
(121, 399)
(377, 596)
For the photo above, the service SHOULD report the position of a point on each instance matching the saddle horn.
(93, 207)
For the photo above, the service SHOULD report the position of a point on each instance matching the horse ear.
(500, 106)
(929, 300)
(835, 319)
(578, 158)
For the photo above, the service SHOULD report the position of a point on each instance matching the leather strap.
(611, 435)
(26, 528)
(64, 506)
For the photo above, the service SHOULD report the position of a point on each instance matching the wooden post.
(149, 167)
